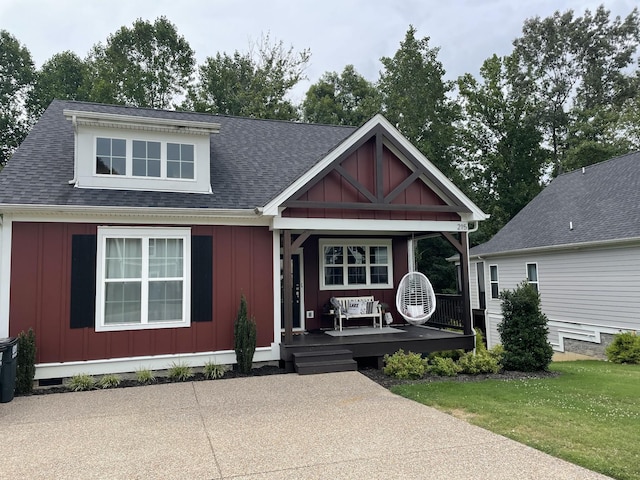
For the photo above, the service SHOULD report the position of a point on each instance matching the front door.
(297, 294)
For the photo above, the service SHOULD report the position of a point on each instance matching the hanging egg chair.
(415, 298)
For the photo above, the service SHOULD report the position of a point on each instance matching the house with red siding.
(128, 236)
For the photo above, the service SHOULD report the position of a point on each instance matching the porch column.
(287, 280)
(462, 246)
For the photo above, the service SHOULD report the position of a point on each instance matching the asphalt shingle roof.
(603, 203)
(252, 161)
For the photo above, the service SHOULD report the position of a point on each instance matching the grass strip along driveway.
(588, 415)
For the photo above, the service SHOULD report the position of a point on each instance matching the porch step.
(324, 361)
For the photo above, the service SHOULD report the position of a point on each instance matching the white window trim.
(129, 159)
(526, 273)
(105, 232)
(355, 242)
(496, 281)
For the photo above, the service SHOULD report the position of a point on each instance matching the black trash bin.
(9, 352)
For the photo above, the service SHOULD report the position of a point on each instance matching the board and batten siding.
(584, 292)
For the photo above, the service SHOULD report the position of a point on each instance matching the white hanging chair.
(415, 299)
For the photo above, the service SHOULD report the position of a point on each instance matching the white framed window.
(493, 276)
(532, 275)
(355, 263)
(142, 278)
(131, 157)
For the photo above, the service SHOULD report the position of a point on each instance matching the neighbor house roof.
(252, 161)
(598, 204)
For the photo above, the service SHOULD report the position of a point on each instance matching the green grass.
(589, 415)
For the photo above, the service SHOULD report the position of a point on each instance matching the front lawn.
(588, 415)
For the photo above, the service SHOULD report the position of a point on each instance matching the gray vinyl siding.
(583, 292)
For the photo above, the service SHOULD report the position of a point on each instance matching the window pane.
(165, 257)
(103, 146)
(494, 290)
(153, 150)
(379, 275)
(173, 151)
(356, 255)
(123, 258)
(357, 275)
(532, 272)
(378, 255)
(494, 273)
(333, 276)
(165, 301)
(153, 168)
(187, 170)
(118, 166)
(333, 256)
(186, 152)
(122, 302)
(139, 167)
(139, 149)
(118, 148)
(173, 169)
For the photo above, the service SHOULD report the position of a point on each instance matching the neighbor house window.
(355, 264)
(111, 156)
(180, 160)
(142, 278)
(532, 275)
(493, 273)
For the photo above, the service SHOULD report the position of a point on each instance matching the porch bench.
(347, 308)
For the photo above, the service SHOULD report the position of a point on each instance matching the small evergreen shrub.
(180, 371)
(479, 362)
(452, 354)
(444, 367)
(108, 381)
(81, 382)
(145, 376)
(245, 338)
(625, 348)
(212, 370)
(404, 365)
(524, 330)
(497, 352)
(26, 362)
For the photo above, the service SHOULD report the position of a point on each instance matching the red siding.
(315, 299)
(362, 166)
(41, 282)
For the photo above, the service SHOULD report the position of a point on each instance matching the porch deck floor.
(418, 339)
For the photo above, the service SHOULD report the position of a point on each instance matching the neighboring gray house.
(578, 241)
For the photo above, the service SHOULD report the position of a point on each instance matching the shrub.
(81, 382)
(109, 381)
(213, 370)
(245, 336)
(497, 352)
(26, 362)
(452, 354)
(145, 376)
(444, 367)
(404, 365)
(524, 331)
(180, 371)
(480, 362)
(625, 348)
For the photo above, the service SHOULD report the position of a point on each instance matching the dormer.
(125, 152)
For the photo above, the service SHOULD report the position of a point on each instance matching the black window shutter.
(201, 278)
(83, 281)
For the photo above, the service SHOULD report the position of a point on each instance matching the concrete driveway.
(331, 426)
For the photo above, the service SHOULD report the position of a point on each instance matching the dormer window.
(139, 153)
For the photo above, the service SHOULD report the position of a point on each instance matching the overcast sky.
(338, 32)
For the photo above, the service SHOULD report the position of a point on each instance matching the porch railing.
(449, 312)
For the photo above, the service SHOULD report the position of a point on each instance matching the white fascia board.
(138, 215)
(272, 207)
(558, 248)
(349, 225)
(5, 274)
(114, 120)
(151, 362)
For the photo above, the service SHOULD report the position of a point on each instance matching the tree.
(245, 337)
(577, 68)
(502, 142)
(61, 77)
(252, 84)
(523, 330)
(16, 80)
(416, 99)
(341, 99)
(148, 65)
